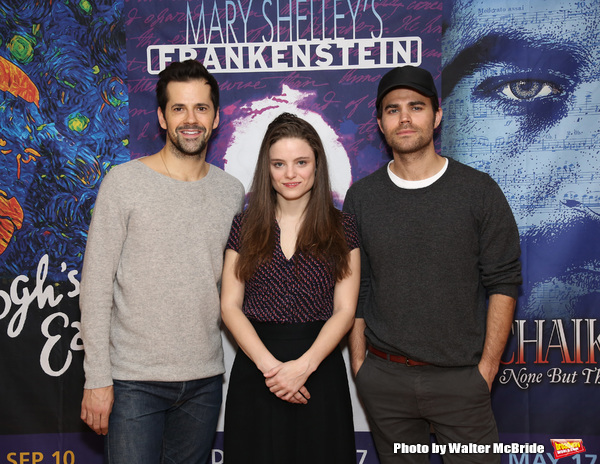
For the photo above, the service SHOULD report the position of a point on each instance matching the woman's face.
(292, 168)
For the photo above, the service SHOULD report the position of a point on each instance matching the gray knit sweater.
(429, 257)
(149, 290)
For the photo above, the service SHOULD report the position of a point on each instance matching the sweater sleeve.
(350, 207)
(499, 245)
(102, 254)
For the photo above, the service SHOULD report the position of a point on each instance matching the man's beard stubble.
(195, 148)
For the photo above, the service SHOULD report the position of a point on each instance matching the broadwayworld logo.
(567, 447)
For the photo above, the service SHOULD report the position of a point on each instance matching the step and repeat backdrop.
(520, 84)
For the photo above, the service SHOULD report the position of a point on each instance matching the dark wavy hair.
(185, 71)
(321, 233)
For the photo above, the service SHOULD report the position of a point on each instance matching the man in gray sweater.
(149, 292)
(437, 238)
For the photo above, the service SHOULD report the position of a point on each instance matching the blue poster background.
(521, 96)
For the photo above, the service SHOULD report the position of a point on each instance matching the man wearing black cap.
(438, 237)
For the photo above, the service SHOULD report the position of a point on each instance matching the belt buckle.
(408, 362)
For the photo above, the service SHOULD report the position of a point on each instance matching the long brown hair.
(321, 233)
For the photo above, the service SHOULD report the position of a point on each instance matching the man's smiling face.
(189, 117)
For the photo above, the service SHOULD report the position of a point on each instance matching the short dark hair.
(410, 77)
(185, 71)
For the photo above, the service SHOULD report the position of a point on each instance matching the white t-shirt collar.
(415, 184)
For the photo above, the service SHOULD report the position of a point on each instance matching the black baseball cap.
(418, 79)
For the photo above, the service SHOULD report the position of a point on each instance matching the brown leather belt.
(397, 358)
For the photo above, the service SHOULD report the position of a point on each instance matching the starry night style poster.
(63, 124)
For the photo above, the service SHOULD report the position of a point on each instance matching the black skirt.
(261, 428)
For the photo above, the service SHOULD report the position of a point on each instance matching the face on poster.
(521, 97)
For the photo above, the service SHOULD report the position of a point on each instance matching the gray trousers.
(402, 403)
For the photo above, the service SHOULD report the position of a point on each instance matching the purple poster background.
(319, 59)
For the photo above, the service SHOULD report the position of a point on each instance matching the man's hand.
(96, 407)
(358, 345)
(499, 320)
(488, 371)
(356, 363)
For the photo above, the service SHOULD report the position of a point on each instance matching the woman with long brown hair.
(290, 285)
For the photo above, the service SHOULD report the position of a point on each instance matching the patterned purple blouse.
(296, 290)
